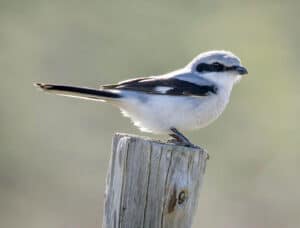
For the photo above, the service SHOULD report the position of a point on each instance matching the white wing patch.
(162, 89)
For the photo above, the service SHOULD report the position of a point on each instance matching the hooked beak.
(241, 70)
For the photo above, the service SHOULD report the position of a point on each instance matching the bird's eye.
(217, 66)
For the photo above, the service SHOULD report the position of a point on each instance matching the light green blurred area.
(54, 151)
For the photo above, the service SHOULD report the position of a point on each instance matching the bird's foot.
(179, 139)
(173, 141)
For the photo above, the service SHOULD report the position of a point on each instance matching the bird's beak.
(241, 70)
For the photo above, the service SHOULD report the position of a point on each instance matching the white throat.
(222, 80)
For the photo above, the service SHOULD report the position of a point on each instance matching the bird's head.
(221, 67)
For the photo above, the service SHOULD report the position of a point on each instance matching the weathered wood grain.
(151, 184)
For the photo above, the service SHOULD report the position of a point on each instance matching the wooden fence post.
(151, 184)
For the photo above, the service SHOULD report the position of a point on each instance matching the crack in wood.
(172, 201)
(148, 183)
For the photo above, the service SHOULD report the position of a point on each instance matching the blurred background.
(54, 151)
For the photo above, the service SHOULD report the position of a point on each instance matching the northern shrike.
(185, 99)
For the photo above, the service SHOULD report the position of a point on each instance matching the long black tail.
(80, 92)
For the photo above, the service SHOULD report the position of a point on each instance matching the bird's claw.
(179, 143)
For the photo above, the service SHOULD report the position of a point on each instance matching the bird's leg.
(180, 138)
(174, 139)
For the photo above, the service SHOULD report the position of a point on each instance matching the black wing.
(171, 86)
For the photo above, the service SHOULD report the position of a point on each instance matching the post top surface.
(160, 142)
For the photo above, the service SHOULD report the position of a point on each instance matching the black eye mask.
(214, 67)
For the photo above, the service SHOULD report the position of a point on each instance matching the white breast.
(158, 113)
(211, 108)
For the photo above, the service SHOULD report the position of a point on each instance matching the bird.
(186, 99)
